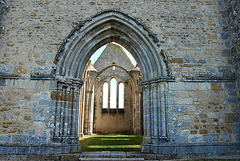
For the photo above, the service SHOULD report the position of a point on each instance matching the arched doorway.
(73, 55)
(111, 94)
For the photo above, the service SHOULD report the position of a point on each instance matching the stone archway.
(73, 55)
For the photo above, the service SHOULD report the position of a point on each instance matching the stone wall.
(200, 38)
(188, 31)
(113, 121)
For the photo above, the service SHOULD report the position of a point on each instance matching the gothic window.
(105, 96)
(113, 96)
(121, 96)
(113, 93)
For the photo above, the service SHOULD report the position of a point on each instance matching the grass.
(113, 142)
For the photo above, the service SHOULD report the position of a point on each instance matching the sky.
(97, 53)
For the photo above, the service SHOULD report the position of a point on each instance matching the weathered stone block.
(3, 82)
(225, 138)
(211, 69)
(185, 132)
(229, 85)
(31, 132)
(191, 86)
(8, 150)
(38, 114)
(37, 140)
(34, 150)
(226, 53)
(234, 147)
(184, 118)
(49, 103)
(6, 139)
(177, 60)
(204, 149)
(21, 139)
(185, 101)
(231, 100)
(180, 139)
(195, 138)
(232, 117)
(172, 101)
(32, 103)
(210, 138)
(167, 150)
(237, 127)
(184, 150)
(43, 95)
(220, 149)
(204, 86)
(176, 86)
(7, 69)
(191, 109)
(23, 150)
(225, 69)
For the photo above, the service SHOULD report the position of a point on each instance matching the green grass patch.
(113, 142)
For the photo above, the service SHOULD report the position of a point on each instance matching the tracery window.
(113, 95)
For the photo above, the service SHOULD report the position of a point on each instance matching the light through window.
(113, 93)
(121, 96)
(105, 95)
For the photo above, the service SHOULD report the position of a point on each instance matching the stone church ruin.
(182, 96)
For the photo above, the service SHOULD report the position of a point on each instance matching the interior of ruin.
(111, 97)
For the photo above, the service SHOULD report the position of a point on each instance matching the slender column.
(155, 120)
(75, 111)
(159, 110)
(163, 111)
(154, 113)
(91, 109)
(71, 132)
(58, 112)
(137, 127)
(147, 111)
(66, 112)
(81, 112)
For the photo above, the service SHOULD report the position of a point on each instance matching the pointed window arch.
(105, 96)
(121, 96)
(113, 93)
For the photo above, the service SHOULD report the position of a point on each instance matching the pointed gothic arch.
(105, 27)
(74, 53)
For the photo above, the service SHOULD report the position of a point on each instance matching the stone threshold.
(110, 156)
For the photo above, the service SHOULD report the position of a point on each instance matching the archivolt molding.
(104, 27)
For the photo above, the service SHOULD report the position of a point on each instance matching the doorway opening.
(110, 105)
(74, 119)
